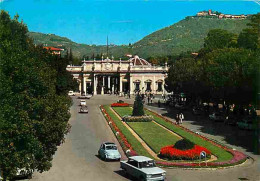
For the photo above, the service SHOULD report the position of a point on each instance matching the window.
(133, 163)
(137, 86)
(148, 86)
(159, 86)
(147, 164)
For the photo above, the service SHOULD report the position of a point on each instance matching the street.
(77, 160)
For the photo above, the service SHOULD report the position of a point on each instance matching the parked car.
(71, 93)
(109, 151)
(180, 106)
(85, 96)
(231, 120)
(197, 111)
(83, 109)
(83, 103)
(142, 168)
(216, 117)
(246, 123)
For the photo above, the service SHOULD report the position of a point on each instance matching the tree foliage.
(227, 67)
(33, 101)
(138, 109)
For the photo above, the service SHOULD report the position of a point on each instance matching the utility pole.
(107, 46)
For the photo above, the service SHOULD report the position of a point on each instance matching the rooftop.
(140, 158)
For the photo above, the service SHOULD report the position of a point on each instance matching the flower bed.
(137, 118)
(238, 157)
(119, 105)
(172, 153)
(120, 136)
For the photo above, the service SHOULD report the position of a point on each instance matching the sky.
(123, 21)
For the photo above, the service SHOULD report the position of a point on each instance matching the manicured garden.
(161, 135)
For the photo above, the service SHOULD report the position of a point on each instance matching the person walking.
(177, 119)
(181, 118)
(159, 103)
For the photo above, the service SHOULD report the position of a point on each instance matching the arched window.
(148, 85)
(159, 85)
(137, 85)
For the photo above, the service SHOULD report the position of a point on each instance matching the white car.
(71, 93)
(142, 168)
(83, 103)
(109, 151)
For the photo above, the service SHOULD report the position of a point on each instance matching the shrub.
(119, 105)
(138, 109)
(137, 118)
(184, 144)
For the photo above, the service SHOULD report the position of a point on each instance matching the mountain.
(186, 35)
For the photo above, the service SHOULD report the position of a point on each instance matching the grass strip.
(222, 154)
(137, 146)
(154, 136)
(123, 111)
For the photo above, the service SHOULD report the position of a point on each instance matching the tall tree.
(33, 113)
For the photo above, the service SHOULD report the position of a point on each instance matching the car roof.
(109, 143)
(140, 158)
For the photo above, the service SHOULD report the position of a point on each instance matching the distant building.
(55, 51)
(109, 76)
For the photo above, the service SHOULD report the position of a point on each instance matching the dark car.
(217, 117)
(197, 110)
(231, 120)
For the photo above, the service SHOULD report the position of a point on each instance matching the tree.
(250, 38)
(218, 38)
(138, 109)
(33, 112)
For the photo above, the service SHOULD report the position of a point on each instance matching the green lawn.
(123, 111)
(154, 136)
(219, 152)
(130, 138)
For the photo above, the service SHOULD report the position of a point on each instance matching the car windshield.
(147, 164)
(111, 147)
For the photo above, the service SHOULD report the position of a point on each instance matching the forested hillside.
(186, 35)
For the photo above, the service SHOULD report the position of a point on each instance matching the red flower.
(119, 105)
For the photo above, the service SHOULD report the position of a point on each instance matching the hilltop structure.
(54, 51)
(219, 15)
(109, 76)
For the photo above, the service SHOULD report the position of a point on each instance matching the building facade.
(108, 76)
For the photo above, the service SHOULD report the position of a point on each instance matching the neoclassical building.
(119, 76)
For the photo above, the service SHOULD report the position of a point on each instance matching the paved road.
(76, 159)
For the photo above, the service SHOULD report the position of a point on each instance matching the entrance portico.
(108, 76)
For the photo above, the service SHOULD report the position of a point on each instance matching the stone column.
(121, 85)
(131, 85)
(84, 85)
(95, 85)
(154, 85)
(102, 90)
(142, 88)
(108, 82)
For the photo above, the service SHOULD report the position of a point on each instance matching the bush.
(137, 118)
(138, 109)
(184, 144)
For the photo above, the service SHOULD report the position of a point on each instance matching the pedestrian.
(151, 100)
(159, 103)
(181, 118)
(177, 119)
(148, 99)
